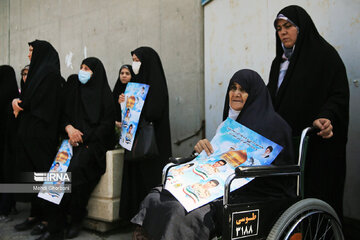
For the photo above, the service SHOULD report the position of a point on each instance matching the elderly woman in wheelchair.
(162, 216)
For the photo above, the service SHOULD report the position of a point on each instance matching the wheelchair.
(291, 218)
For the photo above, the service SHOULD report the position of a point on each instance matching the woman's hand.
(118, 124)
(75, 135)
(204, 144)
(121, 98)
(16, 107)
(325, 127)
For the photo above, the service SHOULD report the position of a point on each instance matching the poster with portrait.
(54, 188)
(202, 180)
(135, 95)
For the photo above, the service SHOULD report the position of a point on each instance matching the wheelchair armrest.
(263, 171)
(180, 160)
(258, 171)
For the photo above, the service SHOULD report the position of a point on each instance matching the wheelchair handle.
(306, 132)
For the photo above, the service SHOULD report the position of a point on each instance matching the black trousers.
(73, 204)
(6, 203)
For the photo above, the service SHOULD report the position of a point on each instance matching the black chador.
(139, 177)
(315, 86)
(89, 108)
(41, 100)
(8, 91)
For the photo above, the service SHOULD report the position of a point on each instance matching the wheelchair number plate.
(245, 224)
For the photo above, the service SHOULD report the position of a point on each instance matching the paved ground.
(7, 231)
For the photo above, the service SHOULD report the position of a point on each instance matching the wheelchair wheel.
(307, 219)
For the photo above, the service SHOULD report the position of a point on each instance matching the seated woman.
(248, 102)
(89, 121)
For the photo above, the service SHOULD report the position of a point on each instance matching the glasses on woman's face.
(24, 74)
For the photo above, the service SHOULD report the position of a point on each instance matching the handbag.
(144, 145)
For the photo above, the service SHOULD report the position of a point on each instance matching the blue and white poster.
(135, 95)
(53, 191)
(202, 180)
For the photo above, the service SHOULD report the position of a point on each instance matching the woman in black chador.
(308, 86)
(8, 91)
(140, 176)
(125, 76)
(89, 121)
(161, 216)
(38, 112)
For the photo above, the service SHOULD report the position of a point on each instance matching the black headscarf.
(44, 60)
(119, 89)
(315, 83)
(259, 115)
(94, 89)
(42, 83)
(150, 66)
(152, 73)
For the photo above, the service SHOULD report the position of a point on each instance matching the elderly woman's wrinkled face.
(125, 75)
(287, 32)
(237, 97)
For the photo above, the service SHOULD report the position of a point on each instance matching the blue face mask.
(84, 76)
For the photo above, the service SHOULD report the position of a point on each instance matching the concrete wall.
(240, 34)
(109, 30)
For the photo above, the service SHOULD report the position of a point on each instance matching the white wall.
(240, 34)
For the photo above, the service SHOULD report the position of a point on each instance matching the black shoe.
(39, 229)
(74, 230)
(51, 236)
(26, 225)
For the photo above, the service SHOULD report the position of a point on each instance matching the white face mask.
(136, 67)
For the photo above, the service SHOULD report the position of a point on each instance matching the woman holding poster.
(162, 216)
(89, 120)
(140, 176)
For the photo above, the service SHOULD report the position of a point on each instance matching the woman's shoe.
(26, 225)
(51, 236)
(39, 229)
(74, 230)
